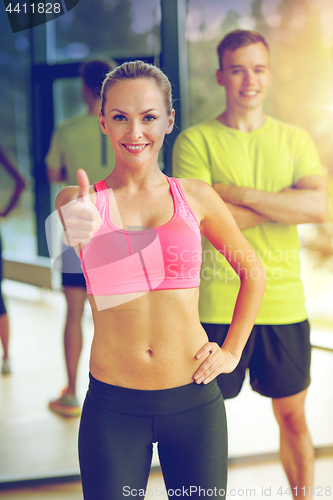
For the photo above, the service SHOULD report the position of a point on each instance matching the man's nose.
(249, 77)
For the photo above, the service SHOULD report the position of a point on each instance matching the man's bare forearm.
(245, 217)
(292, 206)
(56, 175)
(305, 203)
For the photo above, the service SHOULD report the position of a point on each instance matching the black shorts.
(2, 304)
(72, 274)
(119, 426)
(278, 358)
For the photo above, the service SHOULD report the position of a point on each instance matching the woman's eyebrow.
(124, 112)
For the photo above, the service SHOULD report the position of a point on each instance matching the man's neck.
(247, 121)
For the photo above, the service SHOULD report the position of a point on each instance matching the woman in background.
(8, 165)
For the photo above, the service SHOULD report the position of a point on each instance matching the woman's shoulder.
(195, 187)
(198, 194)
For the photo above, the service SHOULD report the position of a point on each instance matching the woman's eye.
(119, 118)
(149, 118)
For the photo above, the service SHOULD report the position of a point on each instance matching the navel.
(150, 352)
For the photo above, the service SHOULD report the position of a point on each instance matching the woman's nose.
(134, 131)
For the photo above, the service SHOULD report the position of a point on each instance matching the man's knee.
(293, 423)
(290, 413)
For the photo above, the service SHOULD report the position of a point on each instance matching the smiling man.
(269, 174)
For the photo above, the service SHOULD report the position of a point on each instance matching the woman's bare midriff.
(148, 343)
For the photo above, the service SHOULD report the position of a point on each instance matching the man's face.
(246, 76)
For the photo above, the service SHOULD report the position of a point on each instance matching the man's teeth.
(250, 92)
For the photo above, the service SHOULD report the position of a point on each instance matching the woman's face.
(136, 120)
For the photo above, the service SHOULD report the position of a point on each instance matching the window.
(122, 28)
(18, 228)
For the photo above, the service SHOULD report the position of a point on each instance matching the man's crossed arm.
(305, 202)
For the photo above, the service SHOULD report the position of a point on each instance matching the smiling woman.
(142, 126)
(152, 369)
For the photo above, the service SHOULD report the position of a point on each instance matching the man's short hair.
(239, 38)
(93, 74)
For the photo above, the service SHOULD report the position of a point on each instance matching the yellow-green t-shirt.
(275, 156)
(79, 143)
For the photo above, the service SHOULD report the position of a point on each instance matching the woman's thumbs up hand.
(80, 217)
(83, 183)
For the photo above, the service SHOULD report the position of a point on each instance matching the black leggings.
(119, 425)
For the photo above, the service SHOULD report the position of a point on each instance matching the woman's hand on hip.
(219, 360)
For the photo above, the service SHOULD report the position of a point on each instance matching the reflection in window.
(18, 228)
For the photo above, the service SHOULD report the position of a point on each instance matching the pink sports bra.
(117, 261)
